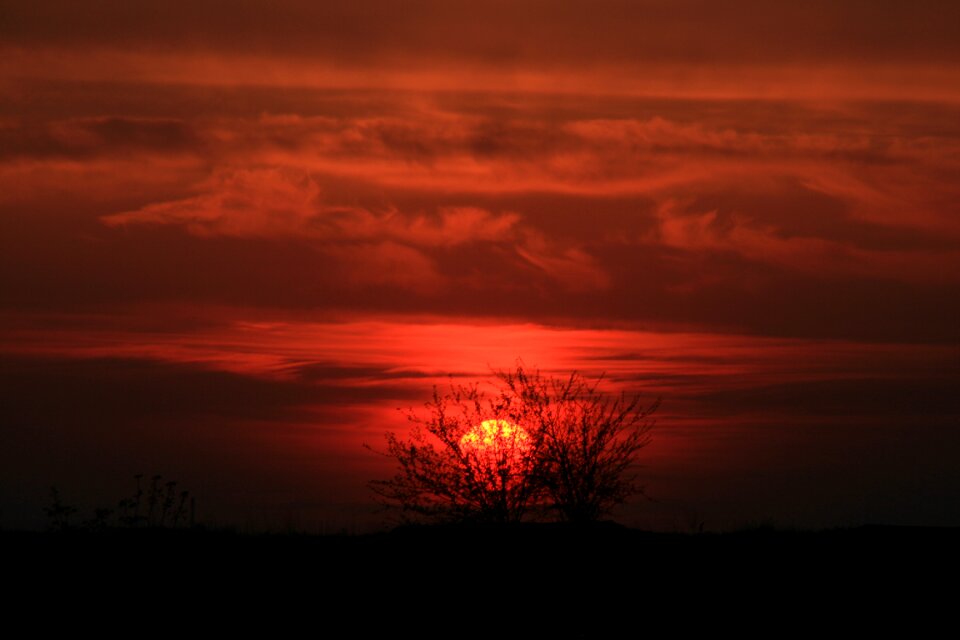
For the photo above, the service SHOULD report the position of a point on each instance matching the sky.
(237, 237)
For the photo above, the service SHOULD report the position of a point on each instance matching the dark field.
(574, 580)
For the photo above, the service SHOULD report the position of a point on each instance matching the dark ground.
(570, 581)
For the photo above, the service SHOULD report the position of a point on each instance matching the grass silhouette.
(158, 505)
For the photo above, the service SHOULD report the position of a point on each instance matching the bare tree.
(466, 460)
(588, 441)
(537, 445)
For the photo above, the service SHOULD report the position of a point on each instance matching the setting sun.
(496, 435)
(497, 449)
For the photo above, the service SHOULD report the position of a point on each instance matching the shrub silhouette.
(538, 446)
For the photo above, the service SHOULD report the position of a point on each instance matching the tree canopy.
(536, 446)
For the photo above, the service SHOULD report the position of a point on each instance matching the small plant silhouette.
(58, 512)
(165, 505)
(161, 505)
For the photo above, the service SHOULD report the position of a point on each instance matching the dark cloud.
(884, 400)
(616, 31)
(38, 391)
(85, 139)
(341, 373)
(133, 133)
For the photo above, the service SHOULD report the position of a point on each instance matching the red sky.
(234, 237)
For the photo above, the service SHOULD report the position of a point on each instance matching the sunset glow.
(234, 242)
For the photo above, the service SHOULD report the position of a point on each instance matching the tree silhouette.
(588, 441)
(464, 461)
(537, 446)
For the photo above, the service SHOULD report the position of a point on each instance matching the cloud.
(387, 247)
(573, 268)
(588, 33)
(560, 208)
(386, 263)
(240, 203)
(829, 253)
(281, 202)
(95, 137)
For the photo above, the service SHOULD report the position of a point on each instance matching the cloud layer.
(778, 216)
